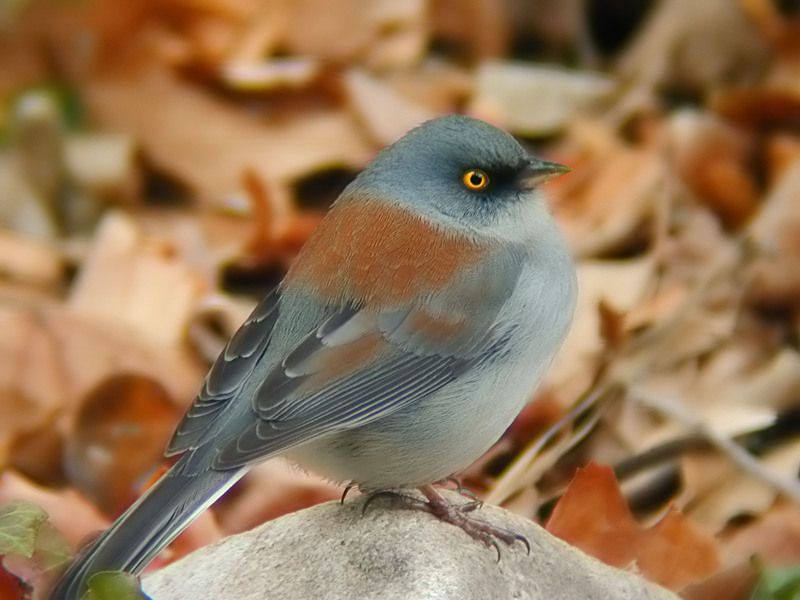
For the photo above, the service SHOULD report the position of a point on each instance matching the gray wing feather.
(385, 386)
(228, 374)
(411, 365)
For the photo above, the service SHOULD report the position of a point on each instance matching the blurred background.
(162, 161)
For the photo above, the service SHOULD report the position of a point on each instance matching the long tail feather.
(147, 527)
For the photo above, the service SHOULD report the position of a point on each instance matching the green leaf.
(114, 585)
(20, 521)
(778, 584)
(52, 548)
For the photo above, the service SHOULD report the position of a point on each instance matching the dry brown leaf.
(696, 44)
(775, 537)
(782, 151)
(33, 383)
(713, 159)
(261, 31)
(744, 495)
(50, 357)
(381, 33)
(736, 583)
(774, 284)
(384, 113)
(593, 516)
(118, 439)
(103, 166)
(621, 285)
(758, 107)
(475, 29)
(159, 110)
(29, 261)
(606, 212)
(134, 286)
(38, 455)
(534, 100)
(748, 376)
(439, 86)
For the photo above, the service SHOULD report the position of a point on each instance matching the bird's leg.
(457, 515)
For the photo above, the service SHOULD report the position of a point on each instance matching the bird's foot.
(474, 503)
(454, 514)
(459, 515)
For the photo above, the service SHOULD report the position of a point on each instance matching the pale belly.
(430, 440)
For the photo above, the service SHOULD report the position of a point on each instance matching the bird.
(414, 325)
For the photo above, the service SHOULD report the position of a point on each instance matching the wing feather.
(228, 374)
(356, 366)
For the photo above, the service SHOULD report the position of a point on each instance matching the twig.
(743, 459)
(529, 465)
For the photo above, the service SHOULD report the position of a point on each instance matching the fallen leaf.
(608, 210)
(29, 261)
(386, 115)
(71, 514)
(131, 285)
(778, 584)
(713, 159)
(382, 33)
(775, 537)
(114, 585)
(743, 494)
(157, 109)
(119, 437)
(758, 107)
(700, 51)
(535, 101)
(593, 516)
(19, 525)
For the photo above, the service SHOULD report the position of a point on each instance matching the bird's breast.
(377, 254)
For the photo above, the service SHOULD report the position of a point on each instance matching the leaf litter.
(163, 162)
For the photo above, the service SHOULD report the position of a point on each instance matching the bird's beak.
(538, 171)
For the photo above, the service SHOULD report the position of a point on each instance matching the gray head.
(457, 169)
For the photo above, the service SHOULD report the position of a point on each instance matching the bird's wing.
(358, 365)
(347, 373)
(228, 374)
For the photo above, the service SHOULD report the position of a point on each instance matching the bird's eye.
(475, 179)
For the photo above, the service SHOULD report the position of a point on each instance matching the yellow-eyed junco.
(413, 327)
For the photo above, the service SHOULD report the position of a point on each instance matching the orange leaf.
(593, 516)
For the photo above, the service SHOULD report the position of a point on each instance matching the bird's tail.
(147, 527)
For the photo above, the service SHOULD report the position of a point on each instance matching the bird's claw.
(454, 514)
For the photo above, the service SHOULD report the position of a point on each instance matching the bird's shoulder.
(376, 253)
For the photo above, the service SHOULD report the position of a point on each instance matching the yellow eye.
(475, 179)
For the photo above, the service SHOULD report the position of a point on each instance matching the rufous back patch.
(331, 364)
(370, 252)
(434, 328)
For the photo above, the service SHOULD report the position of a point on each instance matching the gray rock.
(334, 552)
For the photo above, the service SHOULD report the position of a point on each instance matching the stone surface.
(333, 552)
